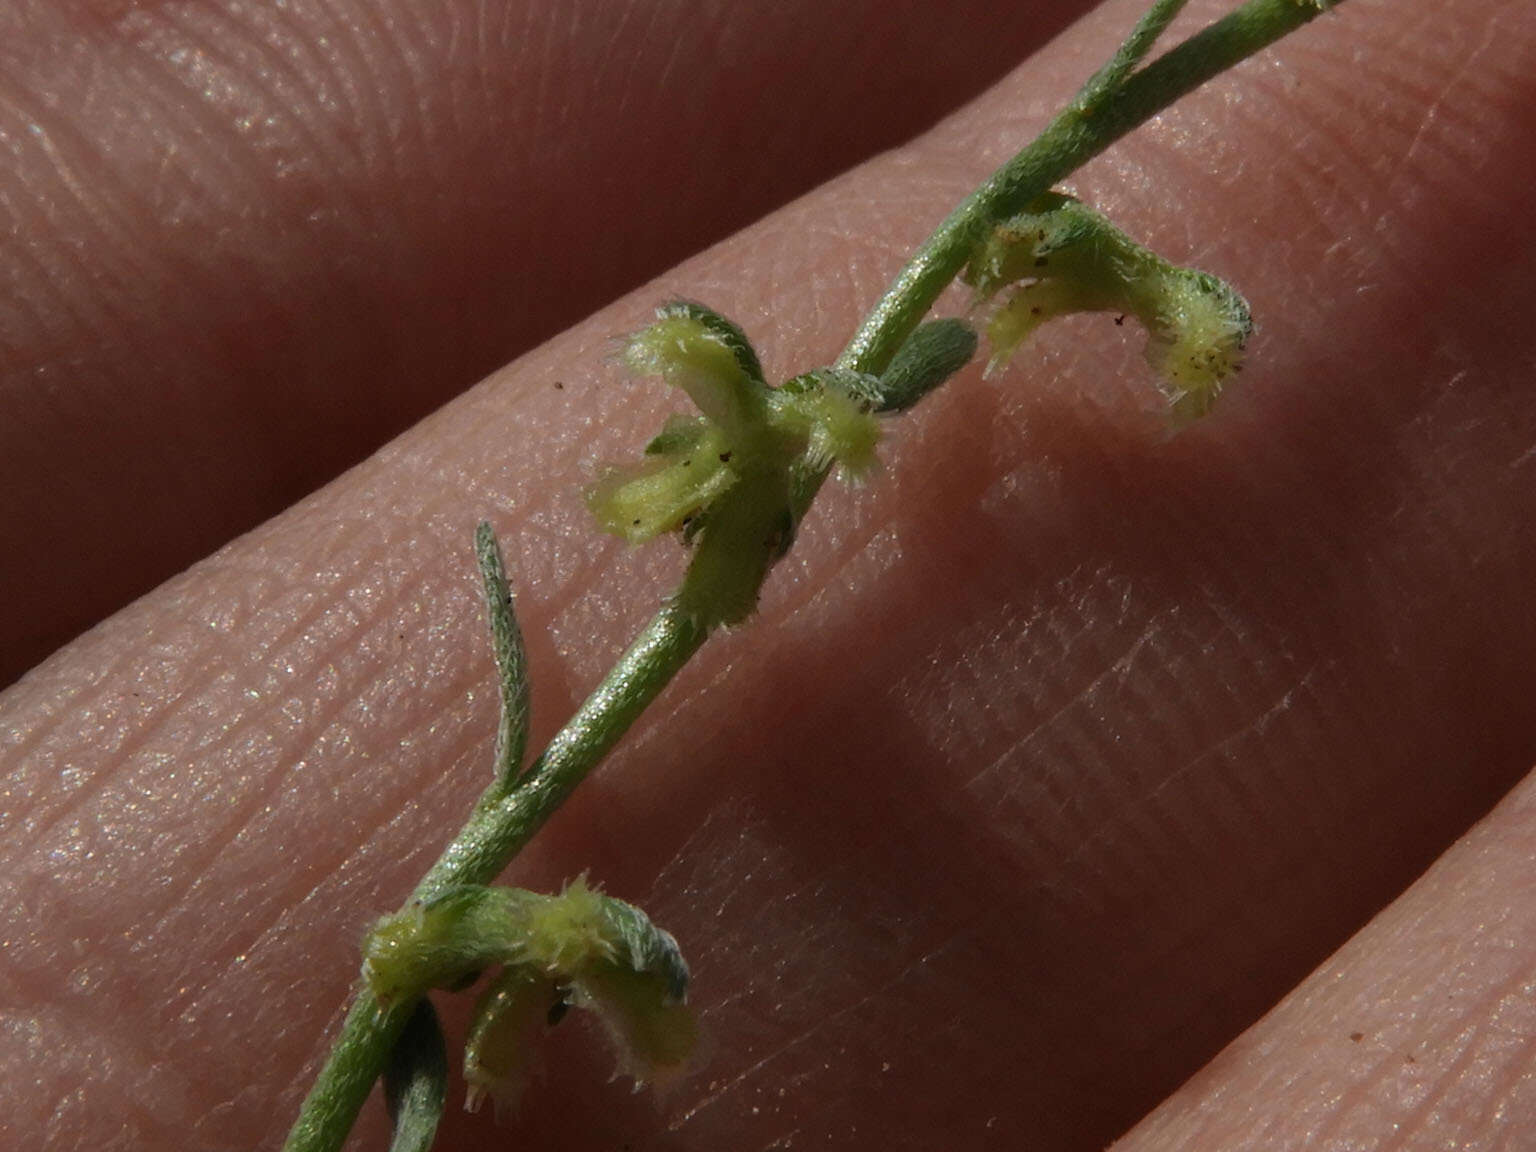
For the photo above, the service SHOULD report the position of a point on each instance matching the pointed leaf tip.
(511, 656)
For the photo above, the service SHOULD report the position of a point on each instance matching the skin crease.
(248, 243)
(1057, 757)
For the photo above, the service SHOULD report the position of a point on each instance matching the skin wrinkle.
(188, 135)
(1078, 699)
(57, 301)
(172, 709)
(135, 1113)
(246, 75)
(312, 733)
(75, 799)
(809, 1033)
(1431, 109)
(62, 1017)
(348, 33)
(1519, 1072)
(191, 869)
(43, 125)
(275, 906)
(1217, 750)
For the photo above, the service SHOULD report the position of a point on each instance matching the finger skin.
(1420, 1033)
(242, 245)
(1057, 756)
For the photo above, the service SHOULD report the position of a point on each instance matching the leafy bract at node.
(580, 947)
(706, 356)
(725, 330)
(1063, 257)
(511, 657)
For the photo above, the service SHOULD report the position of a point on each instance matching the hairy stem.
(1114, 102)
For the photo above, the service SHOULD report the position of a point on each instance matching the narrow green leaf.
(416, 1081)
(931, 355)
(511, 659)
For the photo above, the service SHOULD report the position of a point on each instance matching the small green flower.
(727, 478)
(501, 1051)
(1067, 258)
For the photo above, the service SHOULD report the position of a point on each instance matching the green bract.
(1067, 258)
(580, 947)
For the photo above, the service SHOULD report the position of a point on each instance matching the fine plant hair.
(734, 480)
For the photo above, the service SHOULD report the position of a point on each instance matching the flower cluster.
(1067, 258)
(578, 949)
(734, 479)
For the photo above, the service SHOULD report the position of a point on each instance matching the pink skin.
(1059, 754)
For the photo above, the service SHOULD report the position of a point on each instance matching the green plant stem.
(511, 811)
